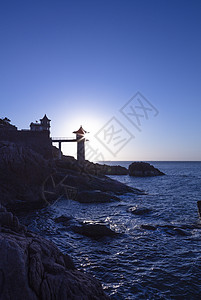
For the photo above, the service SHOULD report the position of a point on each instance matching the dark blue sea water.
(161, 261)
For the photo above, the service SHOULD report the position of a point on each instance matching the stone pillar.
(80, 148)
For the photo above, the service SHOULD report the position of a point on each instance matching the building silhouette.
(43, 125)
(80, 144)
(37, 138)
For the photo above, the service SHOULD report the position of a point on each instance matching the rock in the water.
(148, 227)
(142, 169)
(139, 210)
(32, 268)
(181, 232)
(110, 170)
(94, 230)
(199, 207)
(95, 197)
(63, 219)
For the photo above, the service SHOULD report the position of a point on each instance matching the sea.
(157, 253)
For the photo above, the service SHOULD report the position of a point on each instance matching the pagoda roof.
(80, 131)
(45, 118)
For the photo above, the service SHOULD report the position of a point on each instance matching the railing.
(62, 138)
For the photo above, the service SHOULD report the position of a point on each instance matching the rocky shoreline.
(28, 181)
(32, 267)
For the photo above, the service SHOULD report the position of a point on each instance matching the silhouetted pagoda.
(43, 125)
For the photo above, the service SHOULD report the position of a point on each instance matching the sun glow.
(92, 124)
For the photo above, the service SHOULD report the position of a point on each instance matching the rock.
(113, 170)
(95, 197)
(28, 181)
(181, 232)
(94, 230)
(90, 167)
(85, 182)
(139, 210)
(97, 169)
(63, 219)
(32, 268)
(199, 207)
(148, 227)
(142, 169)
(9, 221)
(22, 172)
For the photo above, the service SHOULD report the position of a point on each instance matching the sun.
(91, 124)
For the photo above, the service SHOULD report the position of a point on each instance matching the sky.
(128, 71)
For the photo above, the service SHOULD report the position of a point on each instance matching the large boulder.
(142, 169)
(199, 207)
(32, 268)
(136, 210)
(94, 229)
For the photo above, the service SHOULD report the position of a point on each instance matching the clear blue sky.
(81, 61)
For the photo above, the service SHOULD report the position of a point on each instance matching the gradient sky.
(81, 61)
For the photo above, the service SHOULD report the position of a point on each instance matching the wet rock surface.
(137, 210)
(94, 230)
(32, 267)
(142, 169)
(91, 229)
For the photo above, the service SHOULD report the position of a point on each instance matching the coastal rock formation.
(22, 172)
(65, 220)
(84, 181)
(96, 169)
(139, 210)
(26, 178)
(32, 267)
(91, 229)
(95, 197)
(94, 229)
(199, 207)
(92, 168)
(142, 169)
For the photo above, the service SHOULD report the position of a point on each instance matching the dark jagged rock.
(32, 267)
(94, 230)
(28, 181)
(95, 197)
(139, 210)
(181, 232)
(95, 168)
(148, 227)
(199, 207)
(142, 169)
(90, 167)
(65, 220)
(22, 172)
(91, 229)
(84, 181)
